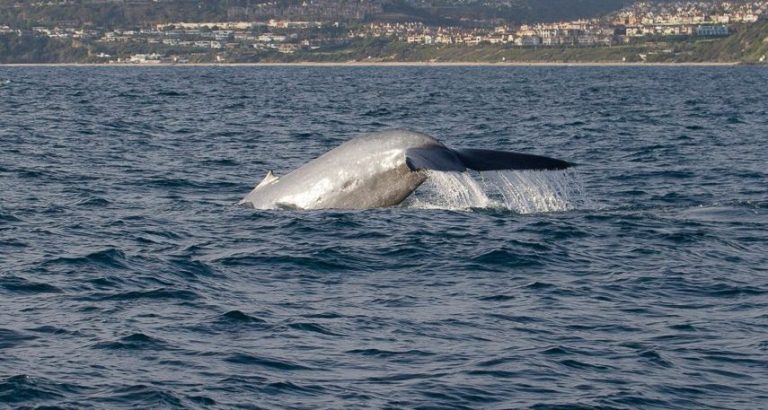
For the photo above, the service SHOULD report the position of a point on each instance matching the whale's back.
(365, 172)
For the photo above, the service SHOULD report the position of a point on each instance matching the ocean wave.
(128, 279)
(25, 389)
(15, 284)
(136, 341)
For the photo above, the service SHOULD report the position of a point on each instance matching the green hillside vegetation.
(113, 14)
(749, 44)
(21, 50)
(378, 50)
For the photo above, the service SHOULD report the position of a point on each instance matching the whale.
(380, 170)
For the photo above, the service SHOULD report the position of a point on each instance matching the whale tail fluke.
(459, 160)
(490, 160)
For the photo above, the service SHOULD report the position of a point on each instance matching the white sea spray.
(523, 192)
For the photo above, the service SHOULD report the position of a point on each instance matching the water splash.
(523, 192)
(533, 191)
(449, 190)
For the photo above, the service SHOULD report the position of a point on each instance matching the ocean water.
(130, 279)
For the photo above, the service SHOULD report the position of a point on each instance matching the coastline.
(389, 64)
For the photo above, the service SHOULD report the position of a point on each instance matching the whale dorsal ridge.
(269, 179)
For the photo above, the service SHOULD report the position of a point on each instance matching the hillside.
(143, 12)
(25, 41)
(749, 44)
(513, 11)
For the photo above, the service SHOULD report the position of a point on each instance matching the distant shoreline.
(388, 64)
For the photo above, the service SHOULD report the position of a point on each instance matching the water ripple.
(129, 278)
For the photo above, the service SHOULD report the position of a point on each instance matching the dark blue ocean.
(129, 278)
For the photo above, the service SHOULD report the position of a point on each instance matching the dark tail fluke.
(440, 158)
(490, 160)
(437, 158)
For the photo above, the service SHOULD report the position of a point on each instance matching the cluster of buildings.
(686, 18)
(641, 20)
(281, 35)
(415, 32)
(55, 32)
(691, 12)
(66, 32)
(290, 36)
(574, 33)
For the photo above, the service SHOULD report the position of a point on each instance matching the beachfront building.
(145, 58)
(713, 31)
